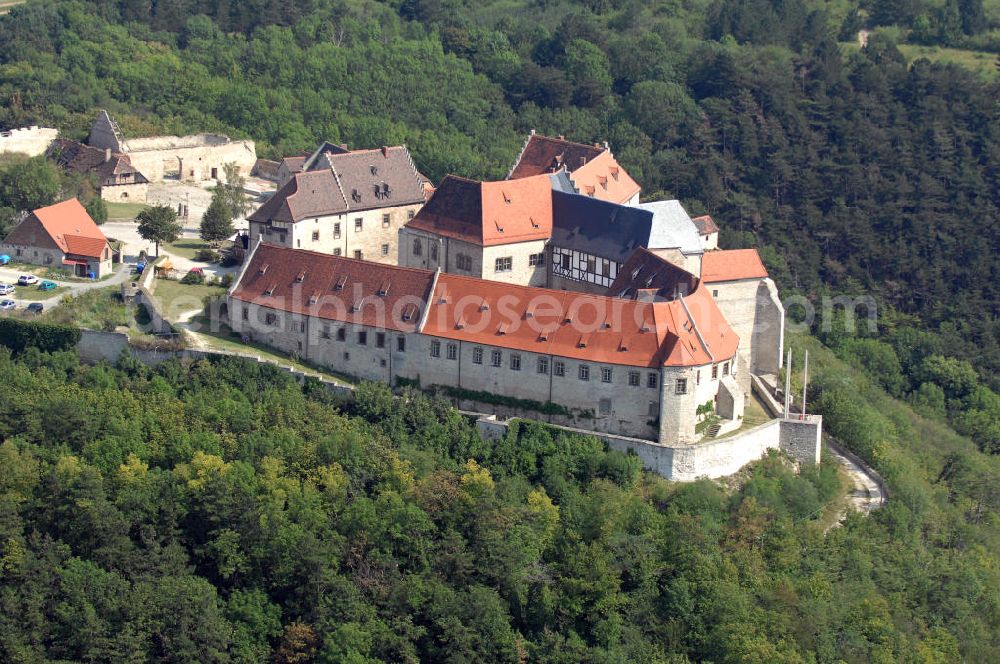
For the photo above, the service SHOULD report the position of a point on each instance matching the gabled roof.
(489, 213)
(542, 154)
(598, 227)
(592, 168)
(732, 265)
(672, 227)
(705, 225)
(347, 182)
(67, 224)
(604, 178)
(589, 328)
(335, 288)
(645, 271)
(75, 157)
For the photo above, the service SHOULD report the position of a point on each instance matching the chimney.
(385, 151)
(107, 155)
(532, 132)
(606, 146)
(583, 161)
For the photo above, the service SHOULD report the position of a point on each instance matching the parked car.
(6, 305)
(35, 308)
(47, 285)
(4, 259)
(27, 280)
(6, 289)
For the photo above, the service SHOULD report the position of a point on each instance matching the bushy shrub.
(193, 278)
(207, 256)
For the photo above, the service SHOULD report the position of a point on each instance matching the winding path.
(868, 493)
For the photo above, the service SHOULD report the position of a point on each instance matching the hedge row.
(46, 337)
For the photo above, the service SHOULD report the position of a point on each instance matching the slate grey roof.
(350, 182)
(599, 227)
(672, 227)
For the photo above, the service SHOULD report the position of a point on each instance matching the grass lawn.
(223, 339)
(33, 294)
(125, 210)
(981, 62)
(176, 298)
(185, 247)
(98, 309)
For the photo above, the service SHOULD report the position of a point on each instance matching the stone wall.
(801, 439)
(125, 193)
(190, 160)
(32, 141)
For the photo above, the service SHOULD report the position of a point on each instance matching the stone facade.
(32, 141)
(376, 237)
(755, 313)
(125, 193)
(527, 264)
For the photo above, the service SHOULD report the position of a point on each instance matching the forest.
(217, 511)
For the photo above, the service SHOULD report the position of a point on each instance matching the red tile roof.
(732, 265)
(543, 154)
(593, 168)
(335, 288)
(68, 225)
(489, 213)
(603, 178)
(584, 327)
(705, 225)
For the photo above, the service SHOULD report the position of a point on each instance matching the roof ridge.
(340, 187)
(398, 268)
(556, 139)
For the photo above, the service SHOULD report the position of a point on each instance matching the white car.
(6, 289)
(27, 280)
(7, 304)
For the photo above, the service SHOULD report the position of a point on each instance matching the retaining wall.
(682, 463)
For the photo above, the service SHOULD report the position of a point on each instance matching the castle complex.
(552, 294)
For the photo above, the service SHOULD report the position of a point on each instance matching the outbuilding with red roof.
(61, 236)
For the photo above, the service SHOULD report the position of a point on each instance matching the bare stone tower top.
(105, 134)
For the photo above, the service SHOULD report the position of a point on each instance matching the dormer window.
(502, 329)
(409, 311)
(374, 169)
(506, 199)
(341, 282)
(584, 339)
(314, 298)
(270, 289)
(383, 290)
(300, 277)
(263, 268)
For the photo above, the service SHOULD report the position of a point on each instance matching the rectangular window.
(418, 248)
(605, 375)
(358, 224)
(697, 377)
(362, 338)
(435, 348)
(380, 339)
(565, 261)
(477, 355)
(452, 351)
(584, 372)
(385, 221)
(633, 378)
(515, 362)
(715, 293)
(654, 410)
(496, 358)
(504, 264)
(385, 250)
(536, 259)
(464, 262)
(336, 252)
(315, 236)
(558, 368)
(357, 254)
(246, 314)
(270, 319)
(604, 407)
(342, 334)
(410, 214)
(302, 328)
(543, 365)
(725, 369)
(325, 334)
(401, 344)
(336, 230)
(652, 379)
(591, 264)
(682, 386)
(715, 371)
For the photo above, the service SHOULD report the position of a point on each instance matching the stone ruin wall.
(32, 141)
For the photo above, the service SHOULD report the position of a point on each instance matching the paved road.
(9, 276)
